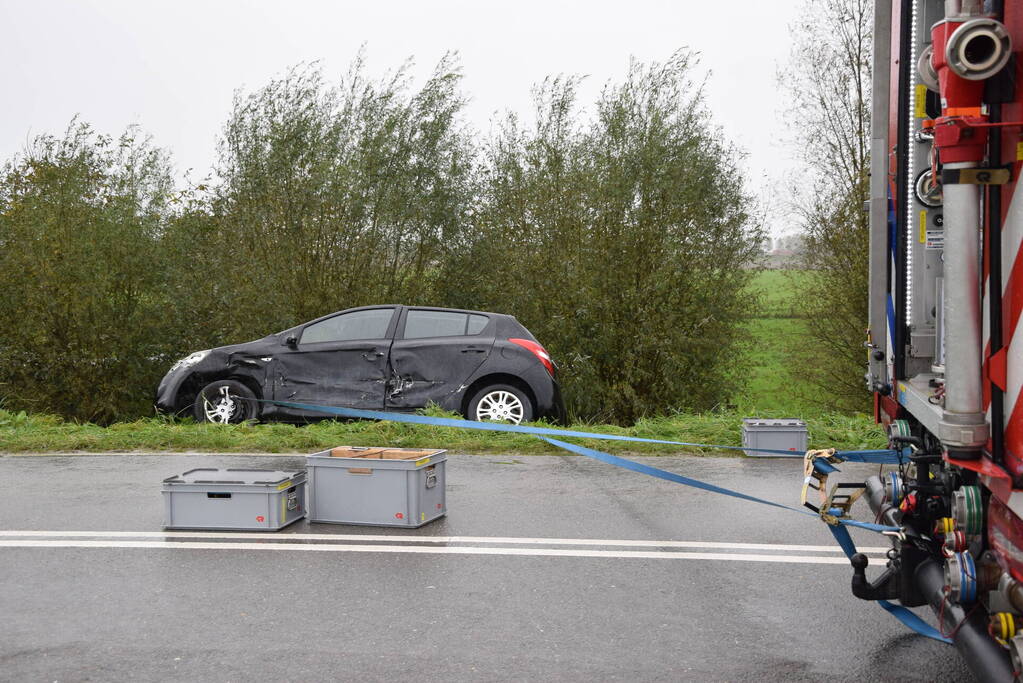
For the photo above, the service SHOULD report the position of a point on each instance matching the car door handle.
(472, 350)
(372, 356)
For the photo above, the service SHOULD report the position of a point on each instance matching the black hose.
(968, 628)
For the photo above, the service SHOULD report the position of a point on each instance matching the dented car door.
(433, 354)
(340, 360)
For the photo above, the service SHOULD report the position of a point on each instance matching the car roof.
(418, 308)
(456, 310)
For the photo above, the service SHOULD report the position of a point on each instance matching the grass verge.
(22, 433)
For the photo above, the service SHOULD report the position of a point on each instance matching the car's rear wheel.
(225, 402)
(501, 403)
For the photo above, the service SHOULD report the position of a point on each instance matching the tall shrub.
(81, 302)
(620, 240)
(333, 196)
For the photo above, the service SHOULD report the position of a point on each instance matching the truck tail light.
(538, 351)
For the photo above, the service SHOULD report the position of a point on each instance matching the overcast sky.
(172, 67)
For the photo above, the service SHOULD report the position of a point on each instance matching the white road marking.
(499, 540)
(413, 549)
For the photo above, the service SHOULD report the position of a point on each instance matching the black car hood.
(267, 346)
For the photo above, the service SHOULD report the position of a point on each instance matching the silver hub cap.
(221, 408)
(499, 406)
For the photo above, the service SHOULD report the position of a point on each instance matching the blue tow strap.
(664, 474)
(878, 457)
(839, 531)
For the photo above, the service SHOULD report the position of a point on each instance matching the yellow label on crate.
(923, 227)
(422, 461)
(920, 102)
(1019, 151)
(285, 485)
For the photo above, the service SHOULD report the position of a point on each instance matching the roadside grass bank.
(22, 433)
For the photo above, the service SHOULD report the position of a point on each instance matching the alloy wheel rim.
(220, 410)
(500, 406)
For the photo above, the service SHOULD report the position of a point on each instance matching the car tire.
(500, 403)
(213, 405)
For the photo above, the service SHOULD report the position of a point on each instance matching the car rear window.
(369, 324)
(420, 324)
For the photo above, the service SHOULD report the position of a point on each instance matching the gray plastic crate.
(776, 435)
(233, 499)
(376, 486)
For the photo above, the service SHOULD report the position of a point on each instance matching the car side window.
(477, 323)
(419, 324)
(368, 324)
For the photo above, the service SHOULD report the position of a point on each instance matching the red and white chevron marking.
(1012, 308)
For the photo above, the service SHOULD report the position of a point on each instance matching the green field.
(772, 390)
(778, 291)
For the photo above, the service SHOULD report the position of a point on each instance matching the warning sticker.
(935, 239)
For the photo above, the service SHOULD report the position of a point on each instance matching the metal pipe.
(986, 659)
(1012, 590)
(962, 8)
(962, 296)
(963, 426)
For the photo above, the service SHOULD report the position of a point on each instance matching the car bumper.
(547, 393)
(167, 392)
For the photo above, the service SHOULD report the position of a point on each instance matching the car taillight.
(1005, 533)
(538, 351)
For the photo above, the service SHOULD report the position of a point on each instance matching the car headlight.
(190, 360)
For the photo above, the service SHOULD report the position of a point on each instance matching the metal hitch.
(886, 587)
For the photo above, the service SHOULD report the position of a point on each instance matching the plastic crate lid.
(383, 453)
(768, 422)
(210, 475)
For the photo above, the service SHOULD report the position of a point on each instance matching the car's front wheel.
(501, 403)
(225, 402)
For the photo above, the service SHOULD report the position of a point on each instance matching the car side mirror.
(291, 341)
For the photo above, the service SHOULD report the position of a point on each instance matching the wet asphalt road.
(180, 613)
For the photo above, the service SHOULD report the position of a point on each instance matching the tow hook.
(886, 587)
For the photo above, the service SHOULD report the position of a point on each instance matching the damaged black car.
(486, 366)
